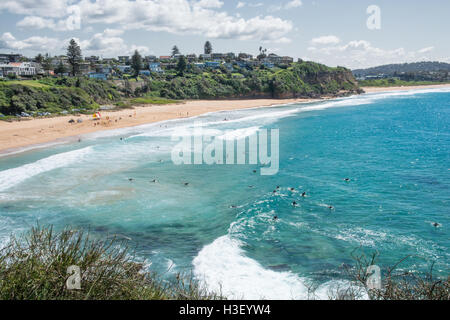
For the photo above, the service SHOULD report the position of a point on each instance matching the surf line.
(198, 148)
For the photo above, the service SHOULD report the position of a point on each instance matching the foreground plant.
(34, 267)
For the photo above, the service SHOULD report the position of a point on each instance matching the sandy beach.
(404, 88)
(24, 133)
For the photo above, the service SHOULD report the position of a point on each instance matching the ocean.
(238, 231)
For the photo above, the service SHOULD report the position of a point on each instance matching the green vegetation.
(54, 96)
(185, 81)
(306, 79)
(136, 63)
(34, 267)
(395, 83)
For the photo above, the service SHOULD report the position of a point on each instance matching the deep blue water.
(394, 148)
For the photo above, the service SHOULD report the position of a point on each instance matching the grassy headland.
(67, 95)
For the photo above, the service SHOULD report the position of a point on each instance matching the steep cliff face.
(310, 79)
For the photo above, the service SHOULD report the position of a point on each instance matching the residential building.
(287, 60)
(231, 55)
(99, 76)
(205, 57)
(218, 56)
(155, 67)
(145, 73)
(20, 69)
(245, 56)
(92, 59)
(229, 66)
(165, 58)
(191, 57)
(124, 59)
(12, 57)
(124, 69)
(150, 58)
(212, 64)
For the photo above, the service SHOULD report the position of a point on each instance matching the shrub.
(34, 267)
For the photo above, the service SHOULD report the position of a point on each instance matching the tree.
(60, 69)
(39, 58)
(47, 63)
(136, 63)
(175, 51)
(208, 48)
(262, 54)
(74, 57)
(181, 65)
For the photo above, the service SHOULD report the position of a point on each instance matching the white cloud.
(8, 41)
(209, 4)
(293, 4)
(201, 17)
(290, 5)
(362, 54)
(41, 8)
(106, 43)
(183, 17)
(325, 40)
(425, 50)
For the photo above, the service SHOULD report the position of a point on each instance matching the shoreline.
(24, 135)
(28, 134)
(404, 88)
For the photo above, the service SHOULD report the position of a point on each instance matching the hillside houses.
(95, 67)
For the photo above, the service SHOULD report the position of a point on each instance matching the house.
(85, 67)
(1, 74)
(108, 60)
(20, 69)
(7, 58)
(92, 59)
(268, 65)
(124, 69)
(231, 55)
(205, 57)
(229, 66)
(145, 73)
(124, 59)
(98, 76)
(199, 65)
(218, 56)
(287, 60)
(191, 57)
(212, 64)
(101, 68)
(155, 67)
(150, 58)
(273, 58)
(245, 56)
(165, 58)
(178, 56)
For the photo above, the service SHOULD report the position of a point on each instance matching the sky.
(350, 33)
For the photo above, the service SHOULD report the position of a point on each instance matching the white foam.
(223, 268)
(12, 177)
(238, 133)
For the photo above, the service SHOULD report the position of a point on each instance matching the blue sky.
(333, 32)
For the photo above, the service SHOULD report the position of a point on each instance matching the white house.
(20, 69)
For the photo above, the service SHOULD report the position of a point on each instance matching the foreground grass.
(34, 267)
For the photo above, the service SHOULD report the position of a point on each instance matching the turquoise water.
(394, 148)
